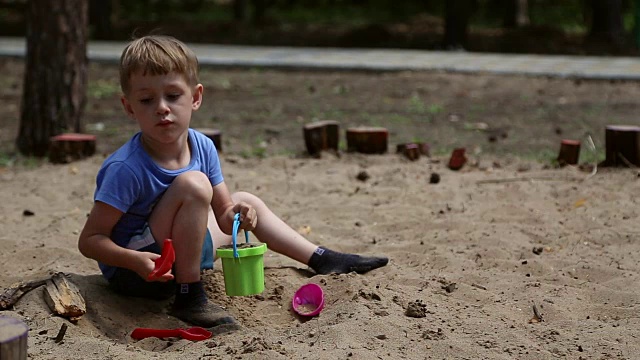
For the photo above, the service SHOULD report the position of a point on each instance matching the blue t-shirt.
(132, 182)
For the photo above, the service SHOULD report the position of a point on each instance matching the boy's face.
(162, 105)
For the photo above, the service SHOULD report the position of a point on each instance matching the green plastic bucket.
(242, 266)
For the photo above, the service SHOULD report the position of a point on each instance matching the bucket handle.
(234, 234)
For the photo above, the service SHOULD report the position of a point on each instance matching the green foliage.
(257, 150)
(225, 84)
(592, 157)
(550, 156)
(398, 118)
(418, 106)
(435, 109)
(342, 145)
(9, 159)
(6, 160)
(568, 15)
(103, 88)
(347, 12)
(545, 156)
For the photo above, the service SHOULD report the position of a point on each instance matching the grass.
(397, 118)
(416, 105)
(10, 159)
(257, 149)
(592, 157)
(545, 156)
(103, 88)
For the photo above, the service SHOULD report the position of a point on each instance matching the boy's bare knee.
(246, 197)
(194, 184)
(251, 199)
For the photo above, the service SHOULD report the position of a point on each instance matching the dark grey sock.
(326, 261)
(190, 294)
(192, 306)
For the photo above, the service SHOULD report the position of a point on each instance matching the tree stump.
(569, 152)
(410, 151)
(65, 148)
(622, 145)
(367, 140)
(457, 159)
(321, 135)
(215, 135)
(13, 339)
(423, 149)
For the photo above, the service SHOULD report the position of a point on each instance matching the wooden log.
(457, 159)
(622, 145)
(569, 152)
(64, 298)
(215, 135)
(65, 148)
(367, 140)
(13, 339)
(321, 135)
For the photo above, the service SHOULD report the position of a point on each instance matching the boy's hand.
(248, 216)
(146, 265)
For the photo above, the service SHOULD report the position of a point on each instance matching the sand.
(468, 261)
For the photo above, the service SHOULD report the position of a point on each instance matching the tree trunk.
(259, 11)
(55, 81)
(636, 23)
(456, 28)
(239, 10)
(516, 13)
(606, 21)
(100, 13)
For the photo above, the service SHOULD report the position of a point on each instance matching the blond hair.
(157, 55)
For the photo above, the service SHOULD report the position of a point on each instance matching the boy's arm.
(225, 209)
(95, 243)
(222, 206)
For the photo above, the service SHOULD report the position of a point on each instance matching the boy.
(166, 182)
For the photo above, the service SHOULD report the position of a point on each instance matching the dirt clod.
(416, 309)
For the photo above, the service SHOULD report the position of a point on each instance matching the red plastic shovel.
(193, 334)
(165, 261)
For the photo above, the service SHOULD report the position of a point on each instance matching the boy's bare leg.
(182, 215)
(282, 239)
(270, 230)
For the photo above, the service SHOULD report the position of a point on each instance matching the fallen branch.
(479, 286)
(537, 317)
(526, 178)
(592, 147)
(63, 330)
(11, 295)
(627, 162)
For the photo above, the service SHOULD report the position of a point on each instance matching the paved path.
(589, 67)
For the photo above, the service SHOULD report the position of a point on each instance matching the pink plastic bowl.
(308, 300)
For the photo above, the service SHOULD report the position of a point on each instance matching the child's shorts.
(127, 282)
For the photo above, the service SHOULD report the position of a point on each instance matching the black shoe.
(205, 315)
